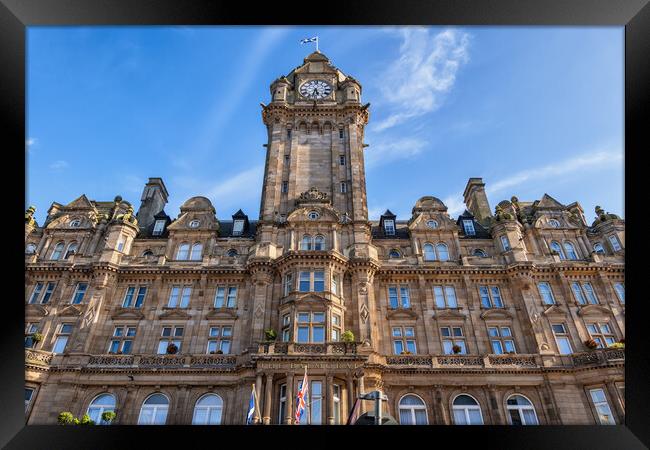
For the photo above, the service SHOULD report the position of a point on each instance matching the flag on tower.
(311, 39)
(300, 398)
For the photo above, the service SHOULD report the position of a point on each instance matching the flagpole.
(306, 379)
(316, 50)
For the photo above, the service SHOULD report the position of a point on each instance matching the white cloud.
(132, 184)
(389, 150)
(59, 165)
(244, 185)
(29, 142)
(455, 205)
(416, 83)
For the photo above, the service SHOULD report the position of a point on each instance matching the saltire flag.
(311, 39)
(300, 398)
(251, 408)
(354, 414)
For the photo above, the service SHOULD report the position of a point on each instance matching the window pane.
(392, 297)
(303, 334)
(451, 296)
(162, 347)
(447, 347)
(232, 296)
(445, 331)
(496, 347)
(564, 346)
(409, 332)
(459, 416)
(578, 293)
(420, 417)
(397, 332)
(318, 334)
(126, 346)
(319, 281)
(304, 282)
(509, 345)
(496, 296)
(440, 299)
(225, 346)
(475, 417)
(410, 346)
(59, 344)
(398, 347)
(485, 298)
(319, 317)
(219, 296)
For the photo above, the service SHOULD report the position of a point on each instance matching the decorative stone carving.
(313, 195)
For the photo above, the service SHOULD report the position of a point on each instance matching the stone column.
(258, 393)
(266, 419)
(495, 412)
(329, 389)
(351, 393)
(440, 406)
(288, 418)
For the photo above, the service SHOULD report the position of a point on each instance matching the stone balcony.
(295, 348)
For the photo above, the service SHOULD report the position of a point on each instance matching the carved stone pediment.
(174, 313)
(311, 298)
(70, 311)
(594, 310)
(222, 313)
(401, 313)
(449, 314)
(127, 314)
(36, 310)
(496, 314)
(554, 310)
(313, 195)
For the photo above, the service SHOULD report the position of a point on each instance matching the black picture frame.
(634, 15)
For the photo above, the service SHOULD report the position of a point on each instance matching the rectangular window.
(340, 133)
(616, 245)
(36, 293)
(342, 160)
(158, 227)
(315, 402)
(49, 290)
(344, 187)
(453, 337)
(79, 292)
(304, 281)
(288, 283)
(286, 328)
(546, 293)
(128, 297)
(501, 340)
(404, 340)
(122, 340)
(142, 292)
(30, 329)
(238, 227)
(336, 398)
(232, 297)
(220, 340)
(285, 187)
(319, 281)
(389, 227)
(619, 288)
(605, 415)
(468, 225)
(181, 293)
(562, 338)
(505, 243)
(29, 393)
(399, 301)
(336, 328)
(601, 333)
(584, 293)
(445, 296)
(392, 297)
(283, 403)
(335, 285)
(311, 327)
(490, 297)
(62, 337)
(288, 134)
(170, 335)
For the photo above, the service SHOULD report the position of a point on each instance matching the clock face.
(315, 89)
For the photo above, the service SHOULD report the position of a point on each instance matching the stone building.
(486, 318)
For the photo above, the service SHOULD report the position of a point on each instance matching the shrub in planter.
(617, 345)
(85, 420)
(591, 344)
(37, 337)
(347, 336)
(456, 349)
(270, 335)
(65, 418)
(622, 341)
(108, 416)
(219, 352)
(172, 349)
(406, 352)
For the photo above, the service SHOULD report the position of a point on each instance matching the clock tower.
(315, 124)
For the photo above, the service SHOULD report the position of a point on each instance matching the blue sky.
(531, 110)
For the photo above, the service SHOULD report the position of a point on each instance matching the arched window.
(75, 223)
(194, 223)
(207, 410)
(467, 411)
(72, 249)
(100, 404)
(183, 251)
(554, 223)
(570, 251)
(557, 248)
(30, 249)
(429, 252)
(147, 253)
(231, 253)
(412, 411)
(394, 254)
(58, 251)
(521, 411)
(432, 224)
(442, 251)
(319, 243)
(598, 248)
(154, 410)
(305, 244)
(197, 249)
(480, 253)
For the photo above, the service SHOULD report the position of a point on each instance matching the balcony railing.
(38, 357)
(295, 348)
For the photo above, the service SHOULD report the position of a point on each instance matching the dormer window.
(158, 227)
(75, 223)
(598, 248)
(194, 223)
(554, 223)
(238, 227)
(389, 227)
(468, 226)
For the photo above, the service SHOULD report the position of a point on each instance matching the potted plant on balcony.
(65, 418)
(456, 349)
(86, 420)
(219, 352)
(36, 338)
(172, 349)
(108, 417)
(270, 334)
(406, 352)
(347, 336)
(591, 344)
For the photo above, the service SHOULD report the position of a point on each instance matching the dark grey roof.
(147, 233)
(481, 231)
(225, 229)
(401, 231)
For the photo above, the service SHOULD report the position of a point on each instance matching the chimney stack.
(154, 199)
(476, 200)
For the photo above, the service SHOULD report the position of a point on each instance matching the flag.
(311, 39)
(300, 398)
(251, 408)
(354, 414)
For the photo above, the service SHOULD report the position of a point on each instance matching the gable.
(548, 202)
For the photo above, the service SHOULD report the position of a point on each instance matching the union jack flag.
(300, 398)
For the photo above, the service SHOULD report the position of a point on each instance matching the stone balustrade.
(295, 348)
